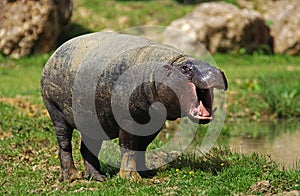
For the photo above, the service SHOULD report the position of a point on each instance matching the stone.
(258, 5)
(28, 26)
(283, 17)
(220, 27)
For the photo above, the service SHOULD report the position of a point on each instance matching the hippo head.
(198, 96)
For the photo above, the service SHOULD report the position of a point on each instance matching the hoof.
(70, 175)
(93, 174)
(96, 177)
(132, 175)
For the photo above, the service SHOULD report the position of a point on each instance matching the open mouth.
(201, 109)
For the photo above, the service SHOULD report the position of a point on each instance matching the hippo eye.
(187, 71)
(184, 69)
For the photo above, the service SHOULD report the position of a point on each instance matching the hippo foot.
(128, 167)
(132, 175)
(70, 175)
(95, 175)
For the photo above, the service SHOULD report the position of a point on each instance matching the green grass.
(28, 148)
(21, 77)
(283, 99)
(116, 15)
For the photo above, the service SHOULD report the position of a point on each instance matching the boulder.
(258, 5)
(283, 17)
(28, 26)
(220, 27)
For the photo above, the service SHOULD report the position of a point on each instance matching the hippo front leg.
(133, 150)
(128, 167)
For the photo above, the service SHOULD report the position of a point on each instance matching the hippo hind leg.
(64, 137)
(89, 150)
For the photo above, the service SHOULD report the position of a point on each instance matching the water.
(279, 140)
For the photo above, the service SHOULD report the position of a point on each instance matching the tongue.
(203, 111)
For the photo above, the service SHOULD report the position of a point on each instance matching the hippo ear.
(168, 69)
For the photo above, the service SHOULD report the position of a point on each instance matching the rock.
(258, 5)
(221, 27)
(284, 19)
(28, 26)
(285, 22)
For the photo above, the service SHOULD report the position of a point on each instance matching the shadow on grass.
(212, 162)
(71, 31)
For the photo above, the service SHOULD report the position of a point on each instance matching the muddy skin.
(111, 55)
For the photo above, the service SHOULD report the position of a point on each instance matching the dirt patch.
(262, 186)
(266, 188)
(25, 105)
(5, 135)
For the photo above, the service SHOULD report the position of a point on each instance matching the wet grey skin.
(104, 57)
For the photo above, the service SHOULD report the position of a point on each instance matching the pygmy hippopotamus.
(92, 64)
